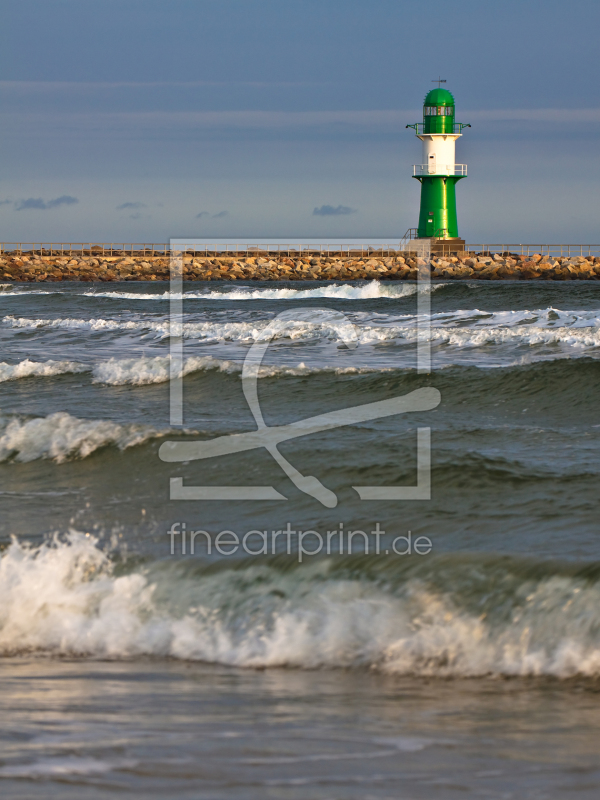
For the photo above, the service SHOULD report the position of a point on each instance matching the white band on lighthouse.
(439, 152)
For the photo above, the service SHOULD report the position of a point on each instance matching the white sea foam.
(18, 290)
(72, 323)
(345, 291)
(467, 336)
(148, 370)
(63, 598)
(462, 328)
(61, 437)
(578, 338)
(207, 331)
(45, 369)
(151, 370)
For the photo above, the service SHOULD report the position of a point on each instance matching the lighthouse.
(438, 173)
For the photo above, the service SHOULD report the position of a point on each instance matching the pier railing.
(83, 248)
(289, 249)
(555, 250)
(388, 247)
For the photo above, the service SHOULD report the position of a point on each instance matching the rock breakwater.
(471, 266)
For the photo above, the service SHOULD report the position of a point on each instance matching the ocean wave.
(461, 337)
(521, 334)
(18, 290)
(460, 329)
(98, 324)
(45, 369)
(346, 291)
(206, 331)
(548, 385)
(148, 370)
(151, 370)
(438, 616)
(549, 317)
(61, 437)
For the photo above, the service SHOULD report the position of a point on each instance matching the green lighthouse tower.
(438, 174)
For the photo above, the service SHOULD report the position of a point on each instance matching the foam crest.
(45, 369)
(18, 290)
(471, 328)
(148, 370)
(87, 609)
(580, 337)
(346, 291)
(441, 617)
(72, 323)
(62, 437)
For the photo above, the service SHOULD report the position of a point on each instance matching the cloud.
(212, 216)
(64, 200)
(32, 202)
(36, 203)
(125, 206)
(333, 211)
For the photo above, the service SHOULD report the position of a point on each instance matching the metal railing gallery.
(439, 169)
(457, 127)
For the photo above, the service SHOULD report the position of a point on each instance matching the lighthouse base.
(444, 247)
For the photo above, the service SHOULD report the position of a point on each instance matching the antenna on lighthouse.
(439, 81)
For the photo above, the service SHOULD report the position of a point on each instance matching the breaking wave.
(447, 615)
(61, 437)
(157, 369)
(27, 369)
(461, 329)
(149, 370)
(70, 323)
(346, 291)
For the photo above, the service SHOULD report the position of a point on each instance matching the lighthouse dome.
(438, 111)
(439, 97)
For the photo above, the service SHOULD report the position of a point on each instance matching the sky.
(142, 120)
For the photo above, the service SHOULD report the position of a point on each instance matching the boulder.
(488, 272)
(507, 272)
(529, 273)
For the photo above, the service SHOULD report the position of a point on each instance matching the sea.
(200, 599)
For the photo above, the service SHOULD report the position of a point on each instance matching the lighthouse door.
(431, 168)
